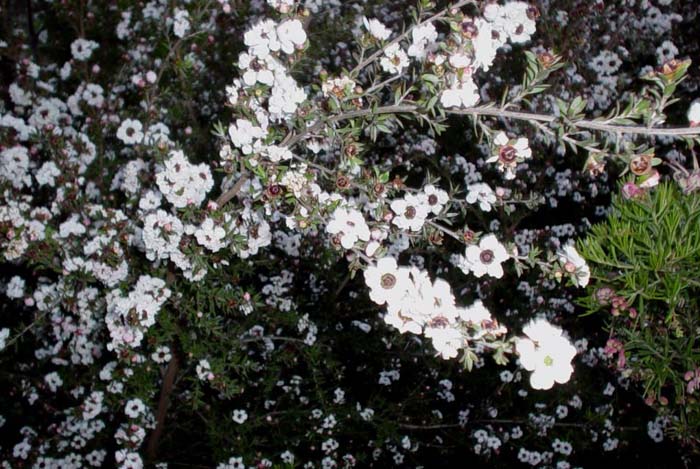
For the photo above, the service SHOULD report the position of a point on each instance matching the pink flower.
(631, 191)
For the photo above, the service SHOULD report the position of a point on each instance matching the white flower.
(377, 29)
(203, 370)
(460, 60)
(181, 23)
(53, 381)
(694, 113)
(93, 95)
(161, 235)
(130, 131)
(276, 153)
(285, 97)
(255, 230)
(483, 194)
(509, 153)
(82, 49)
(232, 91)
(287, 457)
(411, 212)
(157, 134)
(386, 281)
(462, 94)
(291, 35)
(256, 71)
(546, 353)
(240, 416)
(485, 46)
(243, 134)
(283, 6)
(666, 51)
(486, 258)
(134, 408)
(575, 265)
(447, 339)
(423, 37)
(475, 314)
(411, 311)
(162, 355)
(372, 247)
(262, 39)
(15, 288)
(394, 60)
(349, 225)
(435, 198)
(14, 166)
(233, 463)
(518, 23)
(210, 236)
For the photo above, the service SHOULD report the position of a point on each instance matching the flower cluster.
(183, 183)
(129, 317)
(418, 305)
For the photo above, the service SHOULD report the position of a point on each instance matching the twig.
(408, 426)
(497, 112)
(486, 110)
(231, 193)
(163, 403)
(32, 31)
(24, 331)
(447, 231)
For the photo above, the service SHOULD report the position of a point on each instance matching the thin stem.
(273, 338)
(282, 339)
(409, 426)
(231, 193)
(31, 30)
(447, 231)
(405, 34)
(163, 403)
(24, 331)
(502, 421)
(581, 124)
(375, 87)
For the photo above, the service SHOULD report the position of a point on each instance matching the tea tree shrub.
(332, 234)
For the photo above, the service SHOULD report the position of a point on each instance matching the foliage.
(645, 258)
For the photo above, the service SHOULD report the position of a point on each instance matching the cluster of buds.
(605, 296)
(693, 379)
(651, 398)
(616, 347)
(619, 305)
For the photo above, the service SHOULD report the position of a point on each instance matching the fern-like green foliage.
(645, 264)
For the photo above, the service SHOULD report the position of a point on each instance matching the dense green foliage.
(646, 263)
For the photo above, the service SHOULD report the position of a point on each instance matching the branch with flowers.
(148, 255)
(441, 83)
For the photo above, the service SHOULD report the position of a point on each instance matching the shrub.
(238, 234)
(645, 259)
